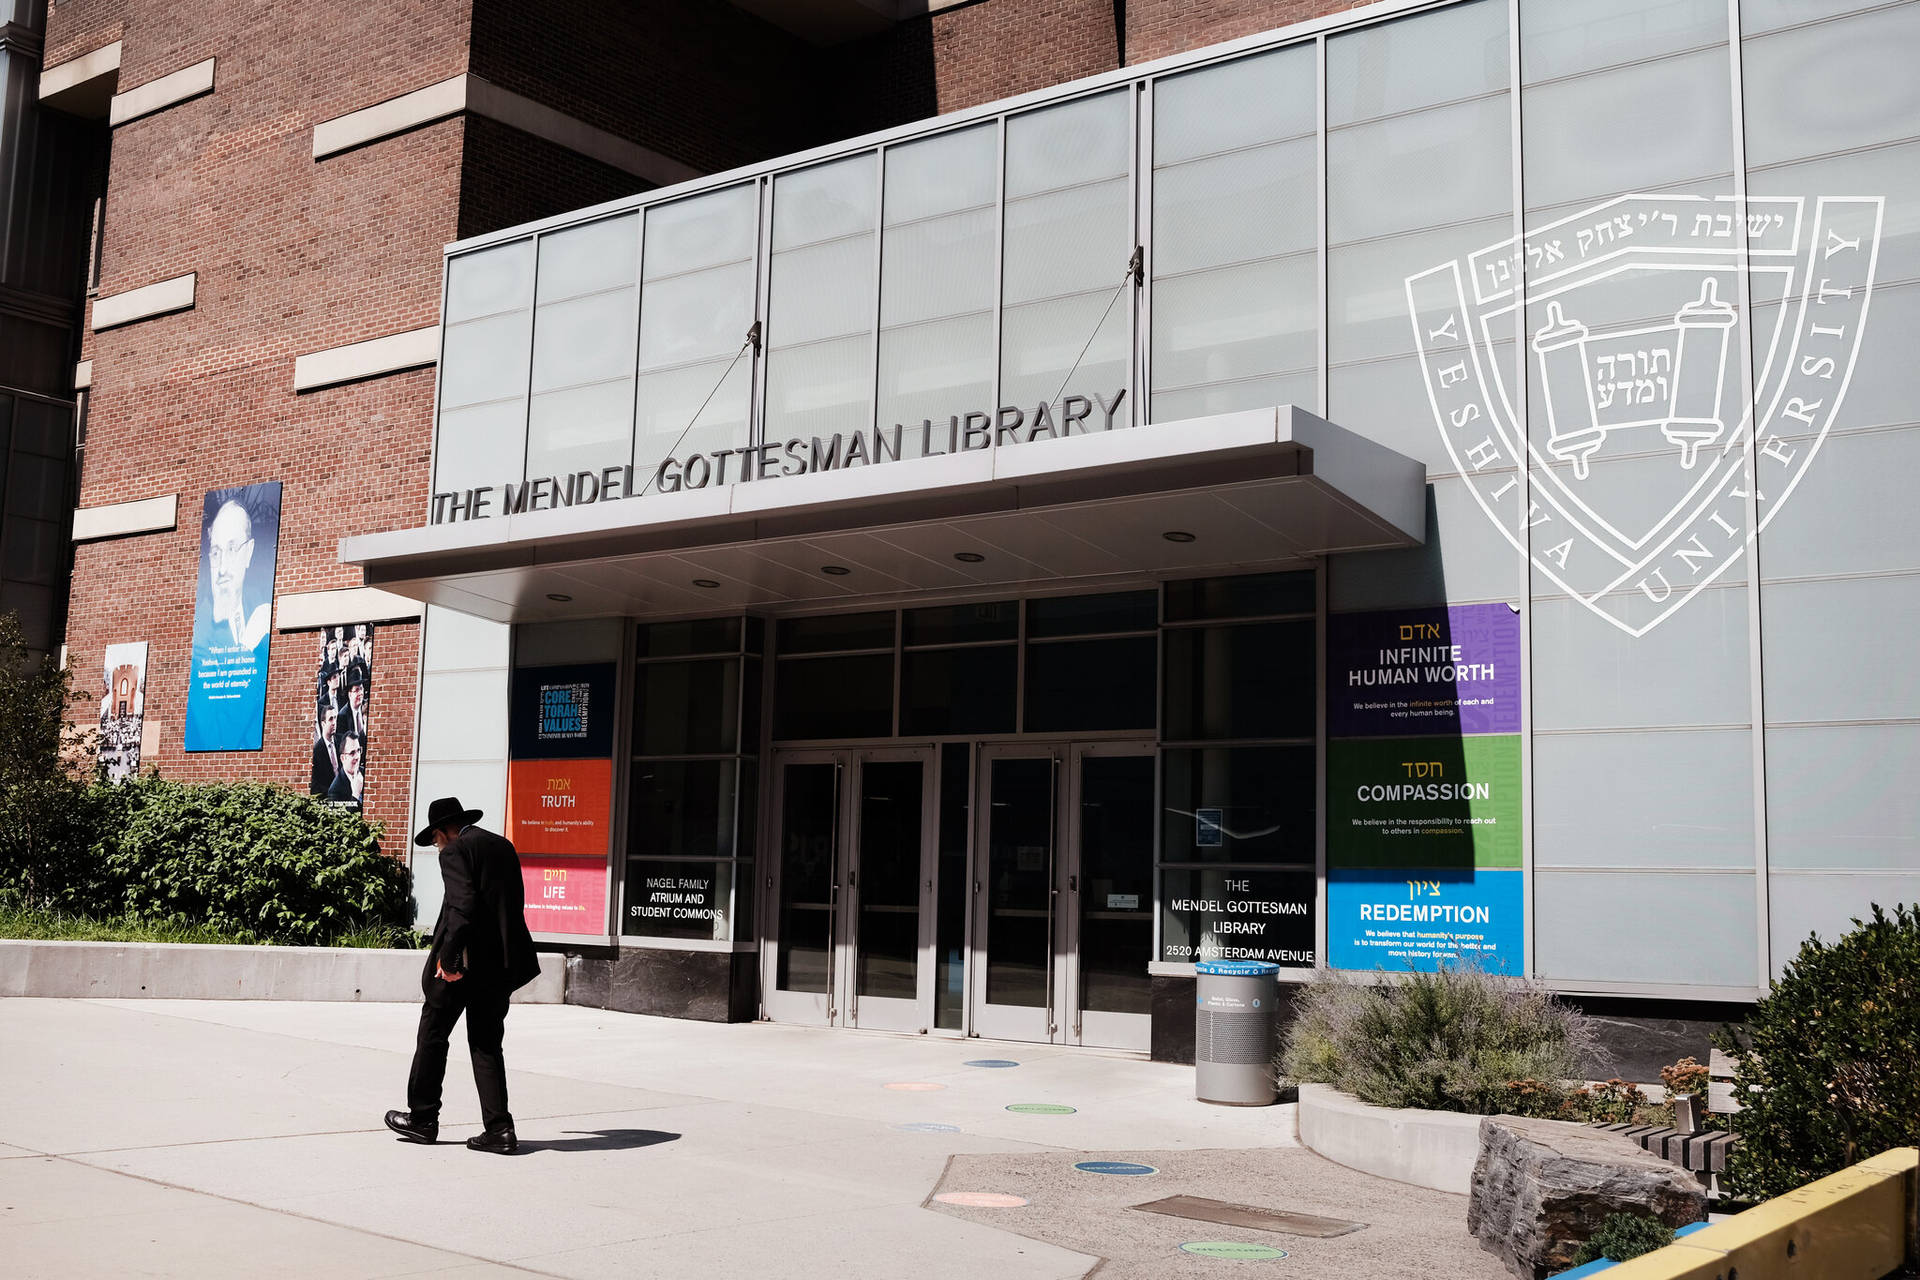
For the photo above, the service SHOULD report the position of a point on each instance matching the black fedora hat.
(443, 812)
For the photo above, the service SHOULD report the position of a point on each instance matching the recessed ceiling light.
(557, 597)
(1177, 535)
(708, 583)
(968, 557)
(835, 570)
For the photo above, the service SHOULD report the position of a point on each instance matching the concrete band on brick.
(83, 375)
(471, 93)
(1436, 1149)
(304, 610)
(157, 299)
(79, 72)
(369, 359)
(145, 515)
(169, 90)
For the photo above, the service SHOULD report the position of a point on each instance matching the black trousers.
(486, 1010)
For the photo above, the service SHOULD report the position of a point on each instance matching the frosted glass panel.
(1689, 670)
(586, 339)
(1828, 906)
(1842, 796)
(1841, 649)
(1852, 512)
(1234, 105)
(941, 174)
(1066, 241)
(1672, 799)
(1767, 15)
(1638, 128)
(821, 300)
(463, 715)
(1465, 558)
(1386, 401)
(1458, 158)
(1367, 286)
(1066, 253)
(938, 266)
(1453, 53)
(669, 401)
(1302, 389)
(696, 316)
(490, 281)
(600, 255)
(1892, 172)
(485, 359)
(1251, 204)
(581, 428)
(1560, 39)
(1692, 929)
(936, 370)
(1235, 323)
(702, 231)
(1071, 145)
(455, 640)
(1833, 87)
(480, 445)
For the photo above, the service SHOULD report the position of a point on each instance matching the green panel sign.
(1433, 803)
(1239, 1250)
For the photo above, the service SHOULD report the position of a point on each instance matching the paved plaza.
(211, 1139)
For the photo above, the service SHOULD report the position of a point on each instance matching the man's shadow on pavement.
(600, 1140)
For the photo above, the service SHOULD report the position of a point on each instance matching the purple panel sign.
(1435, 671)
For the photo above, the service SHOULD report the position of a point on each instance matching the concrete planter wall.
(1434, 1149)
(179, 971)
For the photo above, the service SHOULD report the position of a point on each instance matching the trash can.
(1233, 1042)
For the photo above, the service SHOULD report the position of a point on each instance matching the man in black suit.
(326, 749)
(480, 954)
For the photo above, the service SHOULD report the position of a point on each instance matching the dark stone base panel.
(704, 986)
(1638, 1037)
(1173, 1022)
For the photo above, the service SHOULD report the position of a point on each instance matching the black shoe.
(499, 1141)
(403, 1123)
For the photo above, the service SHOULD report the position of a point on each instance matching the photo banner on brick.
(123, 709)
(233, 618)
(342, 712)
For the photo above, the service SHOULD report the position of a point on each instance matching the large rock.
(1541, 1187)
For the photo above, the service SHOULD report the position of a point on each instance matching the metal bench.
(1703, 1153)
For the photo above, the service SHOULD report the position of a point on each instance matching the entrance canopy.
(1232, 493)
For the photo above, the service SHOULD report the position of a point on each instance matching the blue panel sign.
(1206, 828)
(1117, 1168)
(1401, 919)
(991, 1062)
(233, 618)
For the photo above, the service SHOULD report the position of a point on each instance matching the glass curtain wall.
(488, 323)
(1236, 236)
(1839, 565)
(585, 312)
(820, 300)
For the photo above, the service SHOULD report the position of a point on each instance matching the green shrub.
(1624, 1236)
(44, 763)
(1460, 1039)
(1834, 1053)
(246, 859)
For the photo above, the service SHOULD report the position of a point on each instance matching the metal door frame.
(888, 1013)
(806, 1008)
(1106, 1030)
(1036, 1024)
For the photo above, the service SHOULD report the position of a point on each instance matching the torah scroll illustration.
(1668, 376)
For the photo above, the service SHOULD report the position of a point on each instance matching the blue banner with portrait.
(233, 618)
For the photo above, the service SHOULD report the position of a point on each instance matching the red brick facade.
(294, 255)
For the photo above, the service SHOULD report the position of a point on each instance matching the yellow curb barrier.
(1858, 1224)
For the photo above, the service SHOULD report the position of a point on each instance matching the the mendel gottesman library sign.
(962, 433)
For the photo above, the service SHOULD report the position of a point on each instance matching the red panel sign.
(559, 806)
(565, 895)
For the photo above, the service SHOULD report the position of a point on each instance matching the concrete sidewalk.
(209, 1139)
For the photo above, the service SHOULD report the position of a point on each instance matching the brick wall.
(508, 177)
(1161, 28)
(292, 256)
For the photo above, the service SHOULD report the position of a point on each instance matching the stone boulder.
(1541, 1187)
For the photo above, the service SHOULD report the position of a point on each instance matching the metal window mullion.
(762, 316)
(999, 264)
(533, 337)
(639, 316)
(1320, 207)
(879, 265)
(1517, 143)
(1756, 672)
(1321, 777)
(1140, 121)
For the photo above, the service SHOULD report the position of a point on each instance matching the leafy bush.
(247, 859)
(1460, 1039)
(1624, 1236)
(44, 764)
(1834, 1053)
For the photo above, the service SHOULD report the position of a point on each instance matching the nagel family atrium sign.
(1635, 491)
(961, 433)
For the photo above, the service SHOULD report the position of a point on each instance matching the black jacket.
(325, 770)
(482, 929)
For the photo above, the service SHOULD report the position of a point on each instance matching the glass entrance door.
(850, 890)
(1063, 894)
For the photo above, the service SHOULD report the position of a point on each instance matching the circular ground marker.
(1118, 1168)
(1238, 1250)
(991, 1062)
(981, 1199)
(927, 1126)
(1041, 1109)
(914, 1086)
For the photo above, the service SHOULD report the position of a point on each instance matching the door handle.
(1073, 884)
